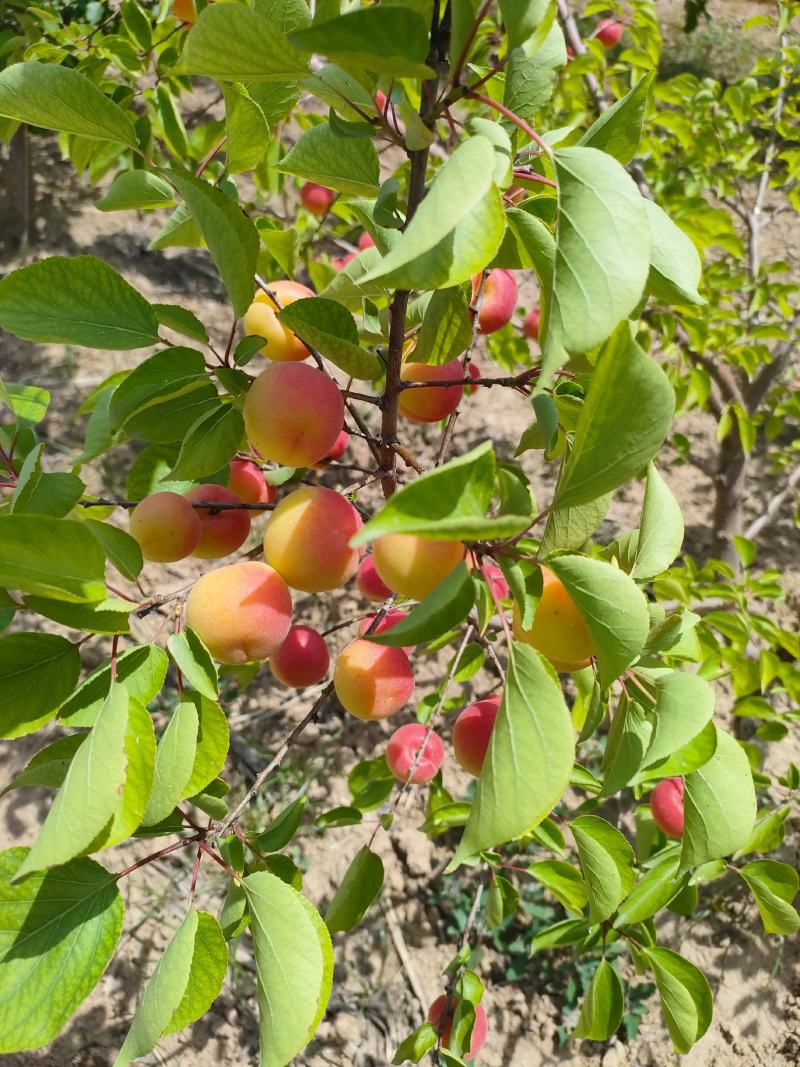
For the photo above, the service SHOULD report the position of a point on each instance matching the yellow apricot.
(414, 566)
(558, 630)
(373, 682)
(261, 320)
(430, 403)
(166, 527)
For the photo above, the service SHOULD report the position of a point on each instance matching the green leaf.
(122, 550)
(361, 884)
(283, 827)
(209, 443)
(684, 704)
(213, 740)
(174, 762)
(618, 130)
(448, 604)
(602, 253)
(455, 231)
(179, 987)
(685, 996)
(49, 766)
(180, 230)
(607, 864)
(564, 881)
(41, 493)
(233, 43)
(91, 793)
(530, 756)
(37, 672)
(446, 331)
(522, 17)
(651, 893)
(626, 746)
(417, 1044)
(387, 40)
(532, 72)
(246, 129)
(58, 934)
(768, 833)
(447, 503)
(774, 886)
(719, 805)
(694, 754)
(140, 754)
(502, 903)
(601, 1011)
(77, 300)
(349, 165)
(142, 670)
(675, 266)
(231, 237)
(294, 966)
(51, 557)
(110, 616)
(566, 932)
(181, 320)
(194, 660)
(162, 397)
(137, 190)
(331, 329)
(568, 529)
(622, 425)
(60, 98)
(535, 243)
(661, 528)
(612, 607)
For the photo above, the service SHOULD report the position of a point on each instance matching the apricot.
(496, 579)
(373, 682)
(222, 532)
(499, 299)
(340, 446)
(414, 566)
(474, 373)
(340, 262)
(530, 324)
(402, 750)
(241, 612)
(307, 539)
(303, 658)
(369, 582)
(293, 414)
(317, 199)
(608, 33)
(261, 320)
(558, 629)
(390, 619)
(366, 240)
(666, 804)
(380, 101)
(184, 10)
(435, 402)
(472, 731)
(480, 1027)
(247, 481)
(166, 527)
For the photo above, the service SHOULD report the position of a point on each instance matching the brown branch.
(774, 505)
(212, 505)
(509, 381)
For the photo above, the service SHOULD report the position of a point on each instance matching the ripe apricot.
(558, 630)
(401, 753)
(474, 373)
(261, 320)
(369, 581)
(166, 527)
(434, 402)
(307, 539)
(316, 199)
(530, 324)
(366, 240)
(390, 619)
(414, 566)
(480, 1027)
(472, 731)
(495, 577)
(499, 299)
(608, 33)
(247, 481)
(666, 804)
(339, 446)
(184, 10)
(373, 682)
(303, 658)
(241, 612)
(222, 532)
(293, 414)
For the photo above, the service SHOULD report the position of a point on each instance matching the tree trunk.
(20, 189)
(729, 490)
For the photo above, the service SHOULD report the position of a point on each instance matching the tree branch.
(774, 505)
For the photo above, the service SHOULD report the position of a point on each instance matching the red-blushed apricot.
(608, 33)
(340, 446)
(530, 324)
(246, 479)
(434, 402)
(366, 241)
(369, 581)
(413, 566)
(222, 532)
(401, 753)
(303, 658)
(495, 577)
(261, 320)
(317, 199)
(499, 299)
(293, 414)
(474, 373)
(380, 101)
(307, 539)
(166, 527)
(340, 262)
(373, 682)
(472, 731)
(241, 612)
(480, 1027)
(558, 630)
(666, 804)
(184, 10)
(390, 619)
